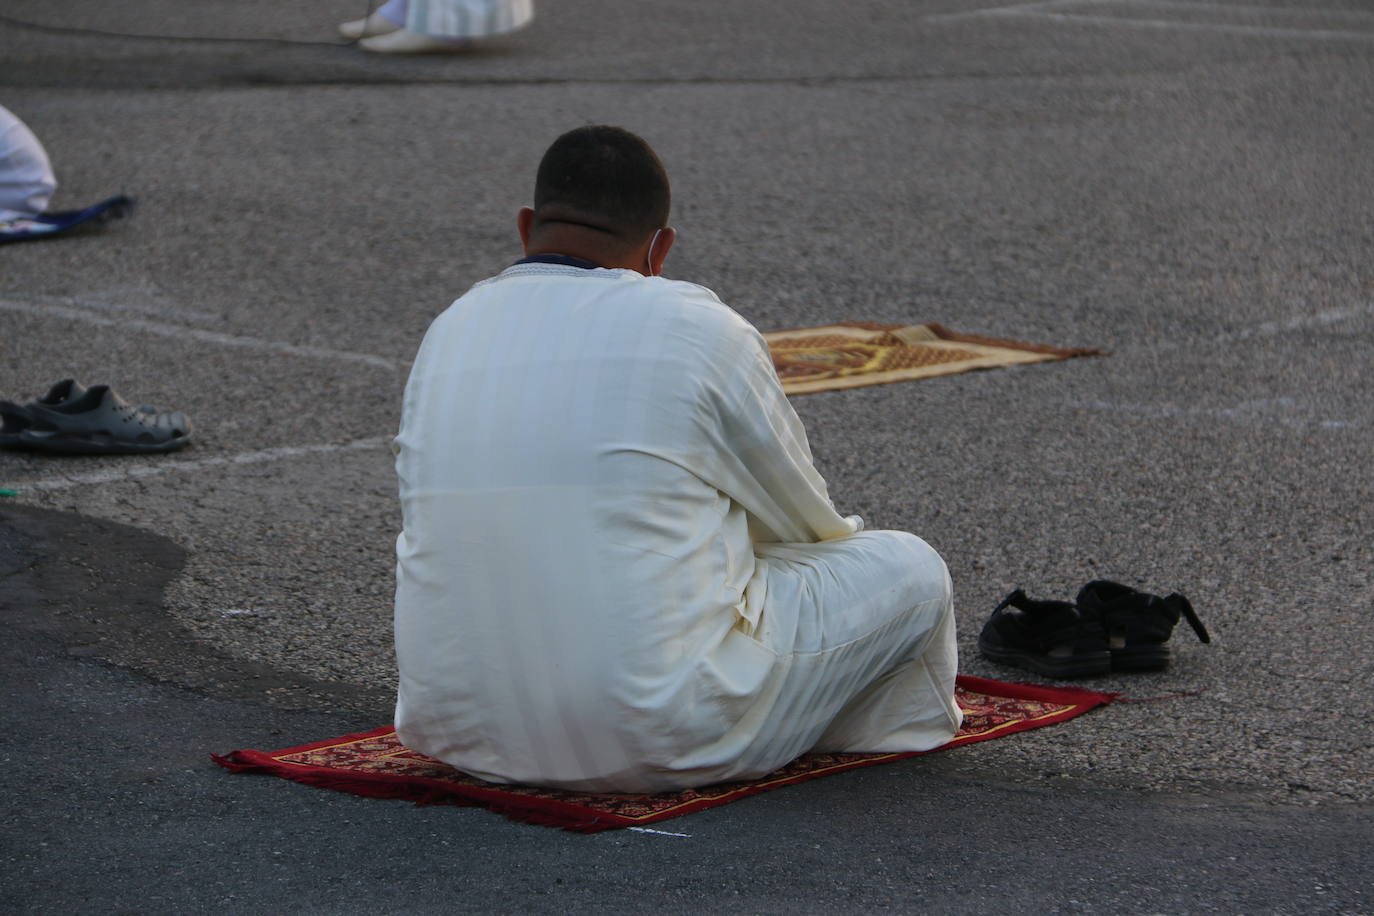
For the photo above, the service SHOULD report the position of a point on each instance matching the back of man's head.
(605, 178)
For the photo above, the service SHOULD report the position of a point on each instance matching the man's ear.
(658, 249)
(524, 222)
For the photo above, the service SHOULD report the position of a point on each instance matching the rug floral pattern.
(376, 763)
(854, 354)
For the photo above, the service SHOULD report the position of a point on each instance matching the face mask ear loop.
(649, 255)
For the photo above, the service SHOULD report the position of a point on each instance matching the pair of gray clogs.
(74, 420)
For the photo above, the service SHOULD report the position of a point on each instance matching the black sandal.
(1137, 624)
(1052, 638)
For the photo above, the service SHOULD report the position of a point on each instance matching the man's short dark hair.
(606, 178)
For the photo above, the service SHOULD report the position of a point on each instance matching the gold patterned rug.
(856, 353)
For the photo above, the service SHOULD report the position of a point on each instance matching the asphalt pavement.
(1184, 184)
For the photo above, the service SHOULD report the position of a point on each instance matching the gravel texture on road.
(1186, 185)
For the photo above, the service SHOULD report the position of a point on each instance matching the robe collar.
(563, 259)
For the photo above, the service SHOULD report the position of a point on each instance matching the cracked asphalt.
(1183, 183)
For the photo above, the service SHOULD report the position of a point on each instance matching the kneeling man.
(619, 569)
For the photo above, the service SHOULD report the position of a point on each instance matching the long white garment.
(609, 575)
(26, 178)
(459, 18)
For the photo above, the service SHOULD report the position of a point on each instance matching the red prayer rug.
(377, 765)
(856, 353)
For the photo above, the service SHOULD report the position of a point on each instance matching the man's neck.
(585, 243)
(560, 259)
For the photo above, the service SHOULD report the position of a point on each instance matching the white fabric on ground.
(459, 18)
(619, 569)
(26, 178)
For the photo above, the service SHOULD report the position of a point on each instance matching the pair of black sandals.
(1109, 628)
(74, 420)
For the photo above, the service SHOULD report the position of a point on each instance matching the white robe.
(459, 18)
(26, 178)
(619, 569)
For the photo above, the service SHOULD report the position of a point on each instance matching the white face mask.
(649, 255)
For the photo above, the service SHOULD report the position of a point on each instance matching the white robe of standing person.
(27, 182)
(435, 26)
(619, 569)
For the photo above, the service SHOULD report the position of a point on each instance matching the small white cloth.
(26, 178)
(459, 18)
(619, 569)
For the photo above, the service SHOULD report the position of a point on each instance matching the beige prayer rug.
(856, 353)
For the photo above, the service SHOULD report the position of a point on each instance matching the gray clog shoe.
(99, 422)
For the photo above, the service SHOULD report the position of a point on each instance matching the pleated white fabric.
(459, 18)
(619, 569)
(26, 177)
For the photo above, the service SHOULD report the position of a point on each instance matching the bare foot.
(403, 41)
(367, 28)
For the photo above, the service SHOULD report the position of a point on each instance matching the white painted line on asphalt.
(658, 832)
(1012, 10)
(1297, 323)
(1292, 325)
(182, 332)
(1221, 28)
(1044, 10)
(97, 300)
(173, 466)
(1270, 11)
